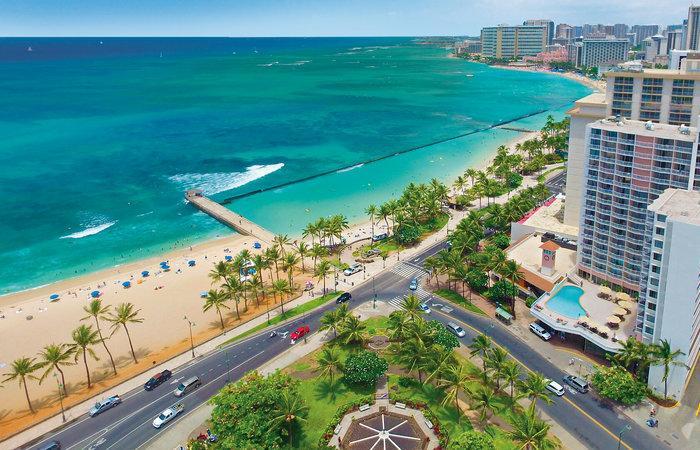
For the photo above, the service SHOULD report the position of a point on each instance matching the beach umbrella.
(613, 320)
(257, 245)
(203, 294)
(191, 263)
(620, 311)
(165, 268)
(164, 263)
(126, 284)
(625, 304)
(623, 296)
(144, 273)
(604, 291)
(95, 294)
(54, 297)
(228, 257)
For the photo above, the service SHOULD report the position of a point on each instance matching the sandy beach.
(597, 85)
(30, 321)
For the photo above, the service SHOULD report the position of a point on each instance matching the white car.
(425, 308)
(555, 388)
(168, 415)
(357, 267)
(540, 331)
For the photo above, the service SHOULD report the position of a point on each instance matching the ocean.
(101, 136)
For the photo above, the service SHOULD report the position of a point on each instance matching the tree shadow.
(327, 389)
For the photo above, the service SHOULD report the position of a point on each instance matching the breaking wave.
(89, 231)
(348, 169)
(213, 183)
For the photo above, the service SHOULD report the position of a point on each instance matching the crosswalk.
(420, 293)
(408, 270)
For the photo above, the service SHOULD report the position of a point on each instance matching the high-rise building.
(674, 40)
(629, 164)
(564, 31)
(603, 52)
(644, 31)
(542, 23)
(632, 38)
(692, 38)
(669, 300)
(513, 41)
(620, 30)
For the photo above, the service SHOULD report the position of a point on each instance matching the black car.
(344, 297)
(157, 379)
(52, 445)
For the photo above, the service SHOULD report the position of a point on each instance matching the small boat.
(30, 49)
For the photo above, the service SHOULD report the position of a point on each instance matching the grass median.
(288, 314)
(454, 297)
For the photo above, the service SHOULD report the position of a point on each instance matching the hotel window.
(657, 256)
(648, 330)
(651, 306)
(656, 269)
(661, 218)
(658, 244)
(653, 294)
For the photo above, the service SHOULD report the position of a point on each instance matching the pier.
(227, 217)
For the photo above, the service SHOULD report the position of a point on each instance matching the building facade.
(543, 23)
(692, 35)
(669, 301)
(603, 52)
(513, 41)
(644, 31)
(564, 31)
(620, 30)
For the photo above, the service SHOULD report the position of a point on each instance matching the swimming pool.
(566, 302)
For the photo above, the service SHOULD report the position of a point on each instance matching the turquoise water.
(567, 302)
(101, 139)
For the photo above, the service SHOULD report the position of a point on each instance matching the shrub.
(338, 416)
(407, 234)
(500, 240)
(443, 337)
(472, 440)
(364, 367)
(618, 384)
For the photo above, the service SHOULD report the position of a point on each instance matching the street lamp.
(191, 324)
(374, 293)
(619, 435)
(60, 396)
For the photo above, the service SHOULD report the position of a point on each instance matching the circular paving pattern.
(384, 431)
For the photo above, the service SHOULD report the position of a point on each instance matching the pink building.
(556, 55)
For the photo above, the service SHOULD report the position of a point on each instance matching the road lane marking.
(697, 411)
(600, 425)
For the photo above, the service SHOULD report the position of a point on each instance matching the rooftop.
(545, 218)
(653, 73)
(679, 204)
(528, 253)
(659, 130)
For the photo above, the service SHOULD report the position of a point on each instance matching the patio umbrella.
(54, 297)
(604, 291)
(144, 273)
(126, 284)
(620, 311)
(228, 257)
(604, 331)
(625, 304)
(95, 294)
(191, 263)
(613, 320)
(623, 296)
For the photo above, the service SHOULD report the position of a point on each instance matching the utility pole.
(191, 324)
(619, 435)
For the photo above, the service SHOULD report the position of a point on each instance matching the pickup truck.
(168, 414)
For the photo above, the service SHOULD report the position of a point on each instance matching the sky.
(313, 17)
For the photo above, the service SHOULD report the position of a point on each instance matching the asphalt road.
(557, 183)
(128, 425)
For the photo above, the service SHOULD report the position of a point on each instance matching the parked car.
(299, 333)
(577, 383)
(372, 252)
(186, 386)
(167, 415)
(555, 388)
(379, 237)
(425, 308)
(157, 379)
(414, 284)
(540, 331)
(456, 329)
(344, 297)
(353, 269)
(104, 405)
(51, 445)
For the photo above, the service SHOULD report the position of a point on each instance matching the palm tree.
(290, 410)
(331, 321)
(530, 431)
(232, 288)
(125, 313)
(216, 299)
(510, 371)
(481, 345)
(282, 288)
(353, 330)
(666, 357)
(54, 356)
(303, 250)
(97, 311)
(412, 355)
(84, 338)
(318, 251)
(281, 241)
(273, 255)
(484, 401)
(411, 306)
(221, 271)
(440, 359)
(456, 380)
(534, 387)
(372, 211)
(329, 362)
(322, 270)
(495, 360)
(289, 262)
(398, 325)
(22, 369)
(511, 271)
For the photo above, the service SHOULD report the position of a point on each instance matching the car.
(372, 252)
(353, 269)
(577, 383)
(379, 237)
(104, 405)
(414, 284)
(299, 333)
(423, 307)
(344, 297)
(186, 386)
(157, 379)
(167, 415)
(540, 331)
(455, 329)
(51, 445)
(555, 388)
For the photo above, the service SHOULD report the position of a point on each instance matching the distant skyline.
(313, 17)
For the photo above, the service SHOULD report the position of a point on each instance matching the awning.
(623, 296)
(504, 314)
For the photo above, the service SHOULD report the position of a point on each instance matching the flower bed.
(440, 432)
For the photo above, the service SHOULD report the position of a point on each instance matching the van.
(540, 331)
(577, 383)
(186, 386)
(456, 329)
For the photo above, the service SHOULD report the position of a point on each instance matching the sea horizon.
(230, 120)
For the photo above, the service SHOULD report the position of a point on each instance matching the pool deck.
(598, 310)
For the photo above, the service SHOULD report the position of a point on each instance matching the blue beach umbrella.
(126, 284)
(54, 297)
(257, 245)
(204, 294)
(165, 267)
(95, 294)
(144, 273)
(228, 257)
(191, 263)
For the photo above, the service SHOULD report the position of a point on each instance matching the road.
(128, 425)
(557, 183)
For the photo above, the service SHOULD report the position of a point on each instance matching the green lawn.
(301, 309)
(449, 294)
(376, 325)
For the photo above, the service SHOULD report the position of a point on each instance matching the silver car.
(104, 405)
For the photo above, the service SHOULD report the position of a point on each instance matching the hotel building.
(692, 35)
(543, 23)
(669, 301)
(597, 52)
(513, 41)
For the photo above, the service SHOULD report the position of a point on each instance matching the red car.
(300, 332)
